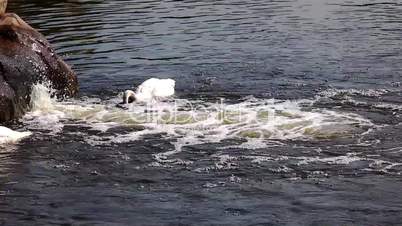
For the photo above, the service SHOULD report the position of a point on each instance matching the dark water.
(347, 53)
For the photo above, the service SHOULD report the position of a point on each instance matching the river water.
(286, 113)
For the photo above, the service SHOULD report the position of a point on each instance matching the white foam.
(257, 121)
(348, 92)
(338, 160)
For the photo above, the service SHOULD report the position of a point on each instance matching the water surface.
(329, 72)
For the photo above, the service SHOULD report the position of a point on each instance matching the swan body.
(150, 90)
(10, 136)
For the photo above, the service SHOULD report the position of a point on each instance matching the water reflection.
(313, 43)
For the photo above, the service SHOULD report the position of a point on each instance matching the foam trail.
(190, 122)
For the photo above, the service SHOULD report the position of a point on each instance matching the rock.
(26, 58)
(3, 6)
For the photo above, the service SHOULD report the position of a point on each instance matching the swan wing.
(9, 136)
(154, 88)
(165, 88)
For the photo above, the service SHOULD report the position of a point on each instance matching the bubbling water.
(257, 121)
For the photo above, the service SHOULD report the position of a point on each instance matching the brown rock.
(26, 58)
(3, 6)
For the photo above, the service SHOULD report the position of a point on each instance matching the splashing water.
(258, 121)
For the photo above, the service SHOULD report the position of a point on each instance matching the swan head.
(128, 97)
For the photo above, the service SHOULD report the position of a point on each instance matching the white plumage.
(151, 89)
(10, 136)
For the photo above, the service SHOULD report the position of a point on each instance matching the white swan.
(150, 90)
(8, 136)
